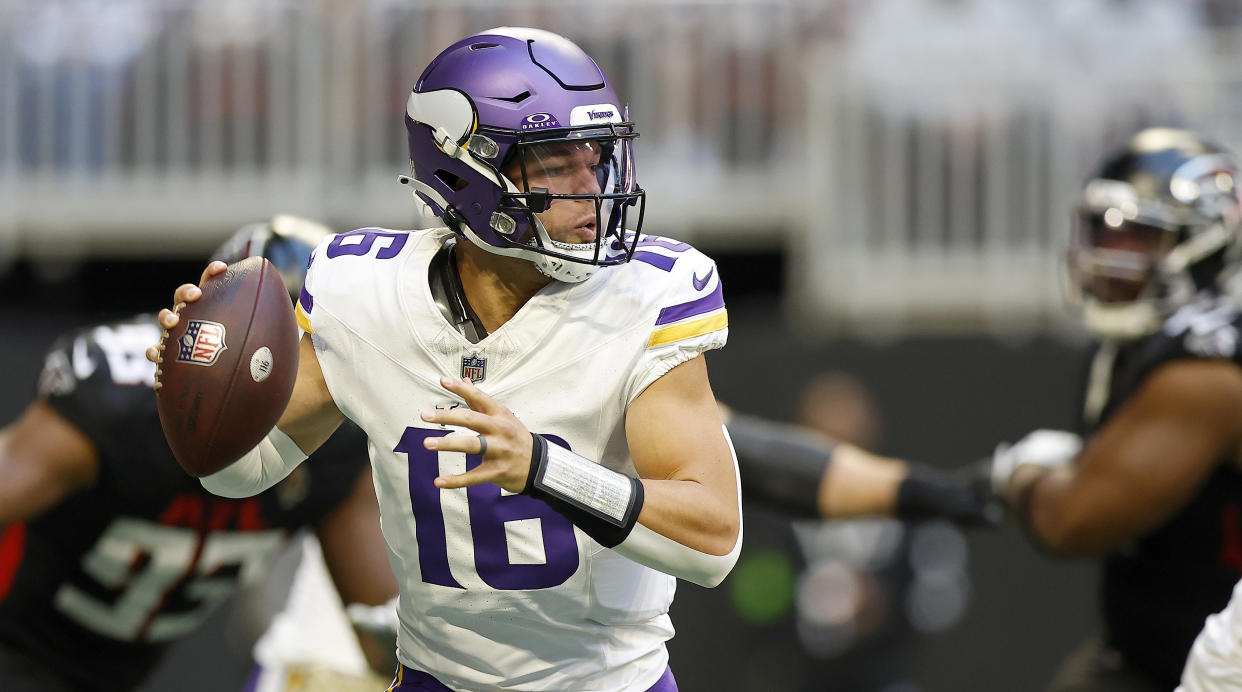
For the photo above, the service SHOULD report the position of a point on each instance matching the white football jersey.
(498, 590)
(1215, 661)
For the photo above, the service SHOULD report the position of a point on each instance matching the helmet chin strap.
(1140, 317)
(564, 270)
(551, 267)
(1129, 321)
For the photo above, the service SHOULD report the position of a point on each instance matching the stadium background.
(886, 186)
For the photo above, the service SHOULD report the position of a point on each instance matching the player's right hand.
(185, 294)
(1050, 449)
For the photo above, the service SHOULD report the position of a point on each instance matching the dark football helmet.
(513, 131)
(1157, 225)
(286, 241)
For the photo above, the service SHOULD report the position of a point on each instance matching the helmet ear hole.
(455, 182)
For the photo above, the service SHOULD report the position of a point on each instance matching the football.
(228, 367)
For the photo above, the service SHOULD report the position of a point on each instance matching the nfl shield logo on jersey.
(202, 343)
(473, 368)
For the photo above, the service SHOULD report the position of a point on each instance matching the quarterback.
(546, 448)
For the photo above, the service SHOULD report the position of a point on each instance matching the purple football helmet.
(496, 121)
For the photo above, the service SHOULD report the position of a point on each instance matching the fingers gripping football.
(502, 439)
(168, 319)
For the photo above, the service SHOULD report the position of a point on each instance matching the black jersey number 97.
(146, 567)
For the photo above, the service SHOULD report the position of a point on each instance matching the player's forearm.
(858, 483)
(607, 505)
(267, 464)
(43, 458)
(806, 475)
(379, 650)
(692, 525)
(1044, 502)
(692, 514)
(376, 626)
(687, 532)
(24, 494)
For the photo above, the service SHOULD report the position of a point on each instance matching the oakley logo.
(700, 284)
(537, 121)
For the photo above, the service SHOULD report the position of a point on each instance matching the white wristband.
(267, 464)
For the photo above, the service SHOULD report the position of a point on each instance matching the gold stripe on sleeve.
(303, 319)
(687, 330)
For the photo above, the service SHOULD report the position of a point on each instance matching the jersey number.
(145, 563)
(359, 243)
(492, 514)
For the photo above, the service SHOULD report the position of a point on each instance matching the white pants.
(1215, 661)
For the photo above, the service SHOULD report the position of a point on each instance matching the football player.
(109, 551)
(1155, 490)
(547, 450)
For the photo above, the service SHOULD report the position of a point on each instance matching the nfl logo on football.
(473, 368)
(202, 343)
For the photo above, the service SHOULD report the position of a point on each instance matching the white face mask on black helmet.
(284, 240)
(1158, 225)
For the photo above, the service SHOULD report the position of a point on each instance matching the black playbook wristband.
(585, 493)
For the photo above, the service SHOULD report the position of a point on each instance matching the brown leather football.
(228, 368)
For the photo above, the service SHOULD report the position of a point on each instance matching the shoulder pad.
(690, 294)
(104, 355)
(1205, 329)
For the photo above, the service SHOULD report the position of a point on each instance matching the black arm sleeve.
(929, 492)
(781, 465)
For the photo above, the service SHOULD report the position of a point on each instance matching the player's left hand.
(184, 295)
(1050, 449)
(503, 440)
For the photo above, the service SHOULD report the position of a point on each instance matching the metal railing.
(919, 179)
(151, 125)
(944, 169)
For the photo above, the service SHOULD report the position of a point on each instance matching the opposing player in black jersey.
(1156, 490)
(109, 551)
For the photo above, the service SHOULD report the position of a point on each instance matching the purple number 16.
(489, 511)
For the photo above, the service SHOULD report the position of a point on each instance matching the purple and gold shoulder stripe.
(690, 319)
(303, 309)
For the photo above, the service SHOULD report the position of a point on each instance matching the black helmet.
(286, 241)
(1157, 225)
